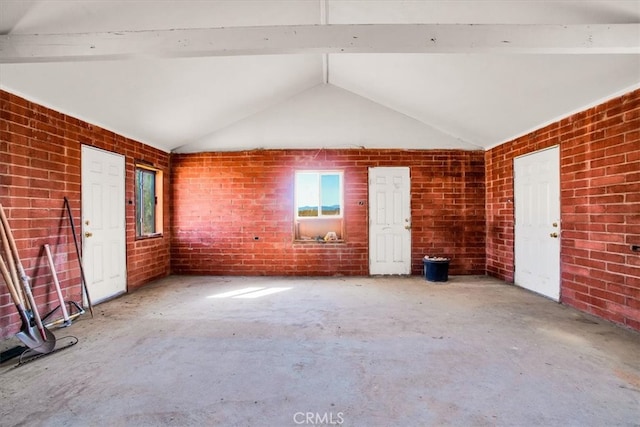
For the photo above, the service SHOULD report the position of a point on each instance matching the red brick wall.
(39, 165)
(600, 202)
(223, 200)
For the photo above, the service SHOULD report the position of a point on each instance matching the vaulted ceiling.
(319, 73)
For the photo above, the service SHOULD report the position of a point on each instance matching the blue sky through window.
(330, 188)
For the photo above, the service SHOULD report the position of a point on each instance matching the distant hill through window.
(313, 210)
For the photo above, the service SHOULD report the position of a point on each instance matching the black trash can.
(436, 269)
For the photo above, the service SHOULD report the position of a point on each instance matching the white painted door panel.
(389, 220)
(537, 222)
(103, 223)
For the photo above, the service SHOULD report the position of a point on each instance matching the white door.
(389, 220)
(537, 222)
(103, 223)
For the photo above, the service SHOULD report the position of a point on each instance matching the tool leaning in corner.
(66, 317)
(75, 241)
(32, 332)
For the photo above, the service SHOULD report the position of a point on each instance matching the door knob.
(88, 234)
(407, 227)
(554, 235)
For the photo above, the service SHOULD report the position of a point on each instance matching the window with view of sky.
(318, 194)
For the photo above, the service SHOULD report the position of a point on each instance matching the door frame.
(408, 265)
(83, 229)
(557, 229)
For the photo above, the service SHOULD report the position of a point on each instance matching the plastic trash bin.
(436, 269)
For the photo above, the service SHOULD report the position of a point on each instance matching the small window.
(319, 206)
(148, 201)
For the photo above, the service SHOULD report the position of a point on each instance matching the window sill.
(149, 236)
(319, 241)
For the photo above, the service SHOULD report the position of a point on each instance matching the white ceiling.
(406, 100)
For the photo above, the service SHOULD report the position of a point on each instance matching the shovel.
(40, 340)
(49, 339)
(28, 334)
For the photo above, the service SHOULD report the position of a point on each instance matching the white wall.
(329, 117)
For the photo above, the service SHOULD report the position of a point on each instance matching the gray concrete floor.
(331, 351)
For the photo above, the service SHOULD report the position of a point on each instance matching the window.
(319, 206)
(148, 201)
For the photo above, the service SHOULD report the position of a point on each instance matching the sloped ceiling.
(306, 99)
(329, 117)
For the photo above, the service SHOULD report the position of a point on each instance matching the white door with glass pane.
(389, 220)
(103, 223)
(537, 222)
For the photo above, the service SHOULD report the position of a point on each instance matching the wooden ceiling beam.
(332, 39)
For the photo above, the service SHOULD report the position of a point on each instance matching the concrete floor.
(331, 351)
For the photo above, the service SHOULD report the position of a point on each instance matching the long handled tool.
(54, 274)
(42, 340)
(46, 334)
(12, 266)
(79, 312)
(75, 241)
(66, 317)
(28, 334)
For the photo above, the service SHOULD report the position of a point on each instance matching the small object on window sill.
(330, 236)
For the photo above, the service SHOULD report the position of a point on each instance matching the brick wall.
(220, 201)
(600, 203)
(39, 165)
(223, 200)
